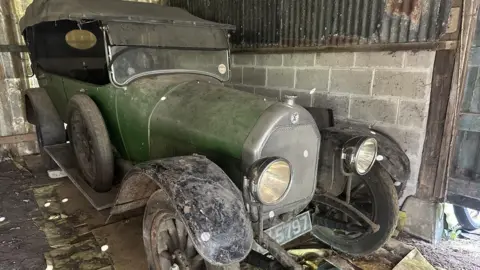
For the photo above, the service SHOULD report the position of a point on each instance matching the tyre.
(469, 219)
(48, 126)
(377, 188)
(91, 144)
(166, 240)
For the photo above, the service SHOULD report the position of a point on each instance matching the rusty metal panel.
(318, 23)
(13, 81)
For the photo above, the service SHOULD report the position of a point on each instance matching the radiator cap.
(290, 99)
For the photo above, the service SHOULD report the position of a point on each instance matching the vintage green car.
(224, 175)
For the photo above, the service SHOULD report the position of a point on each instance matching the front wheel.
(166, 240)
(373, 194)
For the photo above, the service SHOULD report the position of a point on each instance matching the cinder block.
(335, 59)
(268, 92)
(399, 83)
(351, 81)
(312, 78)
(378, 59)
(279, 77)
(244, 88)
(421, 59)
(298, 59)
(373, 110)
(236, 75)
(424, 219)
(254, 76)
(410, 140)
(270, 60)
(339, 104)
(243, 59)
(303, 97)
(412, 113)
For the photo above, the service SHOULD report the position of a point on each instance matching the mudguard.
(39, 107)
(395, 161)
(204, 197)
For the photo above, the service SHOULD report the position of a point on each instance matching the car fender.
(41, 111)
(204, 197)
(394, 161)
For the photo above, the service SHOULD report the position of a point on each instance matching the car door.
(464, 172)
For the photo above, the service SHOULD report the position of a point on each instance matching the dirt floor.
(22, 243)
(48, 224)
(458, 254)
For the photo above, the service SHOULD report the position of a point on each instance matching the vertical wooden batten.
(448, 84)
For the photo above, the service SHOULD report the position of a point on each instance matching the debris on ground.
(458, 254)
(70, 234)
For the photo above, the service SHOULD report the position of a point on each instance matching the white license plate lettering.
(296, 227)
(286, 232)
(304, 222)
(279, 235)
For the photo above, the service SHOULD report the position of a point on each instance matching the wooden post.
(13, 139)
(441, 84)
(445, 99)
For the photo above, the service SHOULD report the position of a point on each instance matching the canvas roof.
(111, 11)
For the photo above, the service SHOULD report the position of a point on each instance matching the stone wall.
(389, 91)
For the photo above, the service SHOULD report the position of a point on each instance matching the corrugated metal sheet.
(13, 80)
(313, 23)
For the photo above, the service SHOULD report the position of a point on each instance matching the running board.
(63, 155)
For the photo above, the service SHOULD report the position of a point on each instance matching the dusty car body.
(140, 87)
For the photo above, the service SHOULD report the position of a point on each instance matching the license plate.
(288, 231)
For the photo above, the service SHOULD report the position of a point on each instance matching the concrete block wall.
(388, 90)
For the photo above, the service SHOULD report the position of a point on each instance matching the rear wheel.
(166, 239)
(89, 137)
(42, 140)
(468, 218)
(373, 194)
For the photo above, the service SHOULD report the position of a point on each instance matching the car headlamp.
(270, 179)
(359, 154)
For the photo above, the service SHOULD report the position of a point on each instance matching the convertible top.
(111, 11)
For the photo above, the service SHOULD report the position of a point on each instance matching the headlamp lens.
(365, 156)
(274, 182)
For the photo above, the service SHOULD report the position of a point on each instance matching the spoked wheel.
(167, 243)
(91, 144)
(375, 196)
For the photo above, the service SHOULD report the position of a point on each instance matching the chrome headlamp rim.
(351, 151)
(258, 169)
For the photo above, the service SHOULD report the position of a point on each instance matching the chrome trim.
(260, 169)
(111, 72)
(275, 118)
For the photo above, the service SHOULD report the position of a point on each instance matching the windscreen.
(129, 63)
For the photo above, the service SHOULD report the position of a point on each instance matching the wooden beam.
(13, 139)
(13, 48)
(441, 84)
(414, 46)
(468, 26)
